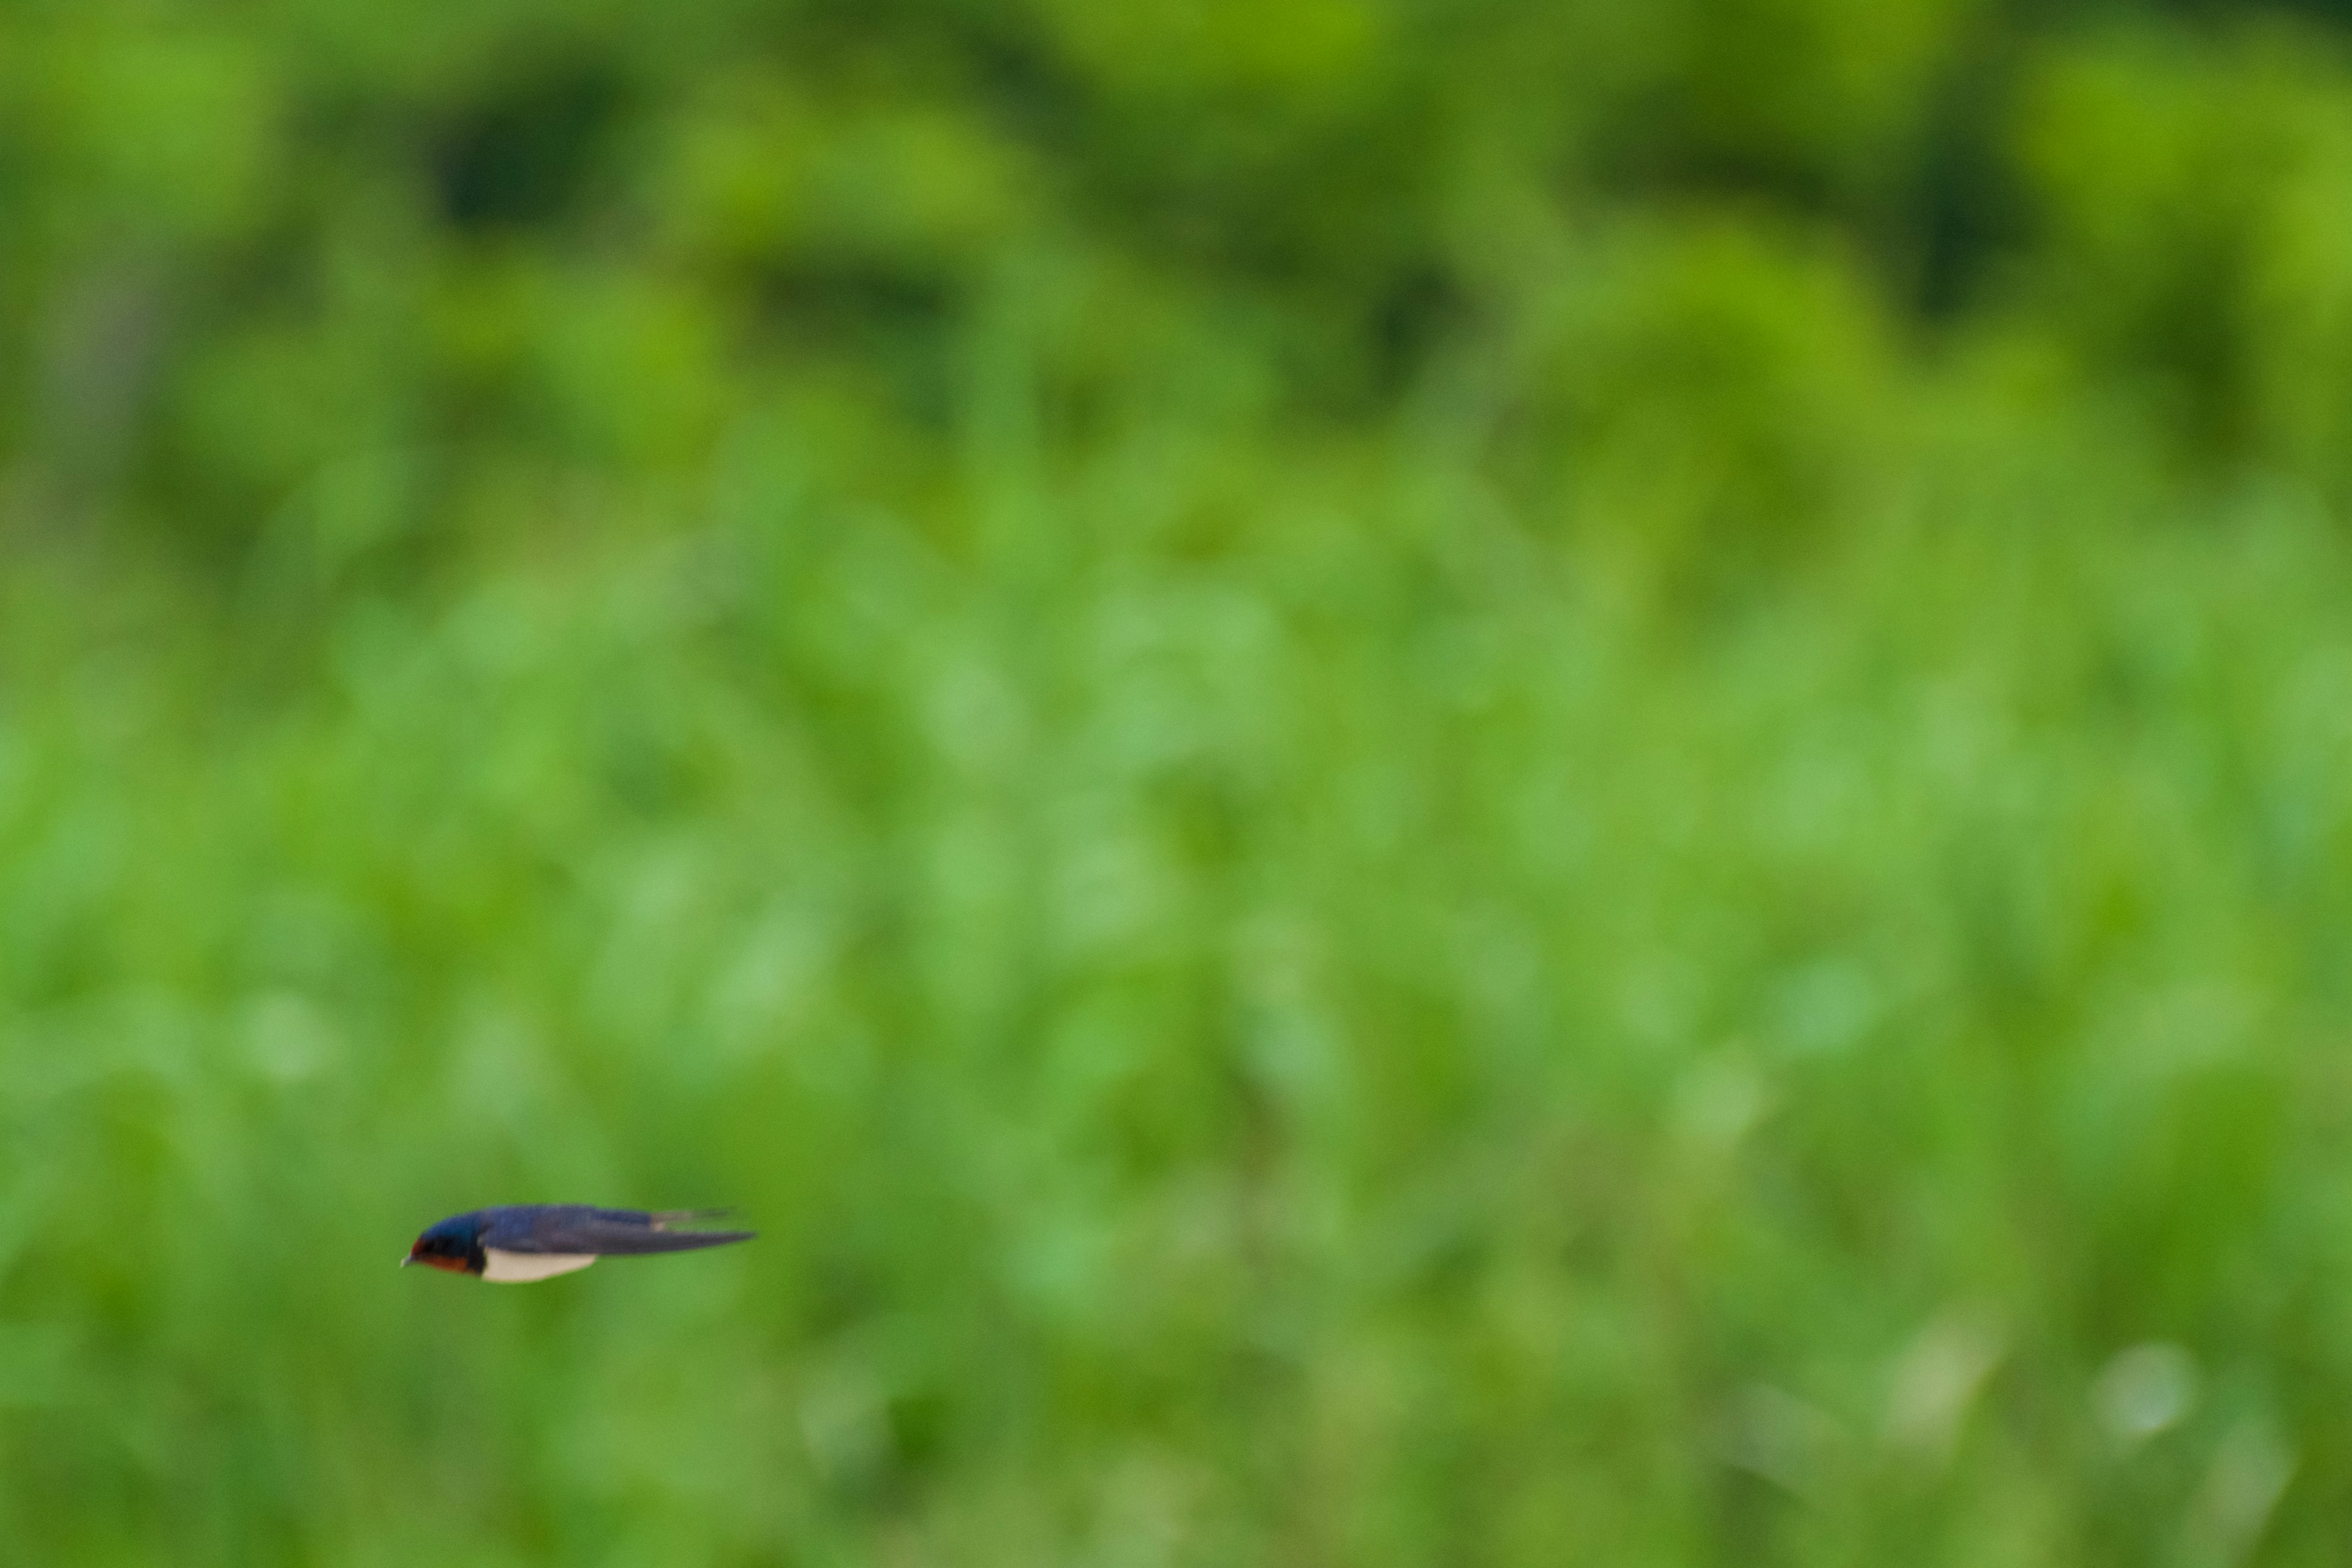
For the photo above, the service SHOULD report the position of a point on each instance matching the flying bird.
(516, 1243)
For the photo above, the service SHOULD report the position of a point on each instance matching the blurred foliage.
(1401, 783)
(283, 268)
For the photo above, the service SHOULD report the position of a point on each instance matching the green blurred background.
(1502, 782)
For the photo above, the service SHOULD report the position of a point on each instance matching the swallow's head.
(453, 1245)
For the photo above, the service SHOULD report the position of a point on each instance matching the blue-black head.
(455, 1244)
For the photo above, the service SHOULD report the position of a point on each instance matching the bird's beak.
(410, 1258)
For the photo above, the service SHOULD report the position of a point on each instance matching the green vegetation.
(1499, 784)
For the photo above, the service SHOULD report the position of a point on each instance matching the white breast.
(522, 1268)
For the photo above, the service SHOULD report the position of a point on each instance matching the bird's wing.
(577, 1228)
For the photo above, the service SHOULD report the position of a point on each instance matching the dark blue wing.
(606, 1233)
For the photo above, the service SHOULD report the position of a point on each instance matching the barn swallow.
(516, 1243)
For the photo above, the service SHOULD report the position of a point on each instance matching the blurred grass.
(1380, 1042)
(1398, 784)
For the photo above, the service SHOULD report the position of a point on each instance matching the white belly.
(522, 1267)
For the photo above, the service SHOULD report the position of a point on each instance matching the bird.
(515, 1244)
